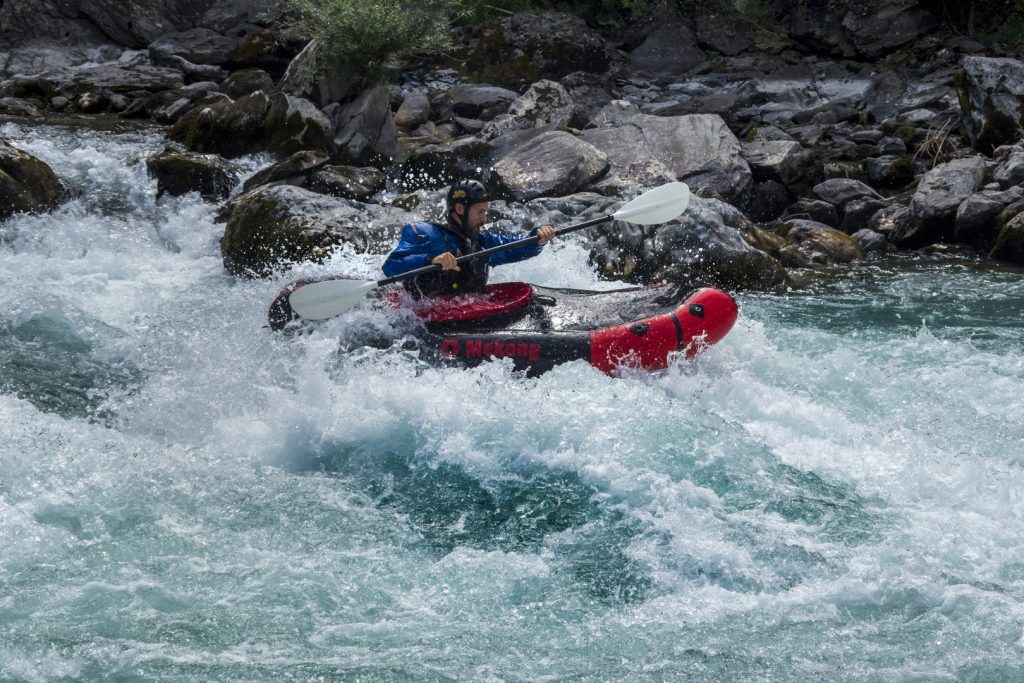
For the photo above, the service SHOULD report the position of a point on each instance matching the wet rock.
(668, 50)
(698, 149)
(414, 111)
(822, 243)
(1009, 245)
(784, 161)
(294, 124)
(888, 171)
(294, 170)
(482, 102)
(553, 163)
(178, 172)
(546, 105)
(114, 78)
(768, 200)
(840, 191)
(891, 221)
(350, 182)
(26, 183)
(938, 196)
(858, 213)
(725, 33)
(517, 50)
(192, 72)
(703, 247)
(274, 225)
(815, 210)
(977, 218)
(246, 81)
(992, 101)
(322, 87)
(366, 134)
(869, 29)
(870, 241)
(14, 106)
(1010, 170)
(434, 165)
(197, 46)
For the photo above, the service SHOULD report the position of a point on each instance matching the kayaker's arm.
(420, 246)
(487, 240)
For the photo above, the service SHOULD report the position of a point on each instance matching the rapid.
(834, 492)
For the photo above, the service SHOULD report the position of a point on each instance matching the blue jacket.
(422, 241)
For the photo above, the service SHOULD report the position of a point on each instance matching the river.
(834, 492)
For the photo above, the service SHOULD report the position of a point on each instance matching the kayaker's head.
(467, 206)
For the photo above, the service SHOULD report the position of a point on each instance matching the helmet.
(467, 192)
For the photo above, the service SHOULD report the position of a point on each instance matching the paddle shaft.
(483, 253)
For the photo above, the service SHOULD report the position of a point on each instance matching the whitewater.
(834, 492)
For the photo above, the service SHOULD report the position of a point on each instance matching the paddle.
(320, 300)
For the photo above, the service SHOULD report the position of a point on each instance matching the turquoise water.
(835, 492)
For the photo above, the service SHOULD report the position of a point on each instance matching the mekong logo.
(479, 348)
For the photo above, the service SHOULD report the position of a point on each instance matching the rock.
(268, 49)
(725, 33)
(26, 183)
(553, 163)
(414, 111)
(229, 16)
(482, 102)
(784, 161)
(197, 45)
(888, 171)
(858, 213)
(1010, 170)
(294, 124)
(192, 72)
(278, 224)
(1009, 245)
(822, 243)
(870, 241)
(130, 79)
(698, 149)
(14, 106)
(977, 217)
(246, 81)
(173, 111)
(938, 195)
(179, 173)
(350, 182)
(868, 29)
(815, 210)
(525, 47)
(891, 221)
(323, 88)
(703, 247)
(294, 170)
(366, 134)
(434, 165)
(669, 50)
(839, 191)
(546, 105)
(992, 101)
(768, 200)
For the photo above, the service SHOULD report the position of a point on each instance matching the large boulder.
(991, 101)
(552, 164)
(668, 50)
(705, 246)
(822, 243)
(517, 50)
(436, 164)
(977, 217)
(178, 172)
(937, 198)
(280, 124)
(784, 161)
(196, 45)
(26, 183)
(278, 224)
(1009, 245)
(546, 105)
(366, 134)
(867, 29)
(698, 149)
(295, 170)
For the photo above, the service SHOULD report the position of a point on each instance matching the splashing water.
(834, 491)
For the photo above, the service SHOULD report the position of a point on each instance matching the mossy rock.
(1009, 245)
(179, 173)
(26, 183)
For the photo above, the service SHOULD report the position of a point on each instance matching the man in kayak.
(424, 243)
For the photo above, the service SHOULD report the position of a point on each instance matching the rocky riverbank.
(808, 145)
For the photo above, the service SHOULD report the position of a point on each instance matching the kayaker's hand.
(446, 261)
(545, 234)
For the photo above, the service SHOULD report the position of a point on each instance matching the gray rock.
(295, 170)
(366, 134)
(546, 105)
(277, 224)
(178, 172)
(322, 87)
(725, 33)
(822, 243)
(482, 102)
(26, 183)
(784, 161)
(294, 124)
(698, 149)
(130, 79)
(197, 45)
(552, 164)
(347, 181)
(858, 213)
(434, 165)
(15, 106)
(992, 97)
(888, 171)
(977, 217)
(815, 210)
(414, 111)
(669, 50)
(869, 29)
(1009, 245)
(870, 241)
(245, 82)
(1010, 170)
(839, 191)
(938, 195)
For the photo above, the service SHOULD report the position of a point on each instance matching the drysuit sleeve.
(490, 239)
(415, 250)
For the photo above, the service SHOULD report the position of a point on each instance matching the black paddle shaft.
(493, 250)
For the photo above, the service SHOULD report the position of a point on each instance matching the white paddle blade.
(321, 300)
(659, 205)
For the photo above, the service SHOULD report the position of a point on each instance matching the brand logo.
(479, 348)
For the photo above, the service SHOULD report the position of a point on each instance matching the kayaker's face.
(477, 216)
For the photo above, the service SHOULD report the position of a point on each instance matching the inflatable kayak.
(540, 327)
